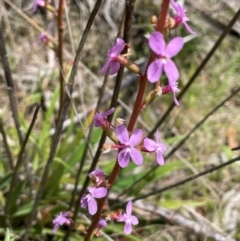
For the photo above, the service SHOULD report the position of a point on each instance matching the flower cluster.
(163, 52)
(88, 200)
(132, 145)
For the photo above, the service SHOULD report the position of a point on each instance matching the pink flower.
(102, 223)
(164, 54)
(97, 177)
(61, 219)
(112, 60)
(43, 38)
(180, 16)
(128, 149)
(172, 87)
(37, 4)
(157, 146)
(89, 201)
(99, 119)
(128, 218)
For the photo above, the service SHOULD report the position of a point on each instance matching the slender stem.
(143, 79)
(19, 161)
(188, 179)
(10, 86)
(58, 131)
(60, 54)
(82, 162)
(136, 111)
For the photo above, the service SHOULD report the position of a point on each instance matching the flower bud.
(129, 65)
(151, 96)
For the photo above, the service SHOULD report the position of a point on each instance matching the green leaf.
(175, 204)
(24, 210)
(7, 236)
(44, 137)
(4, 182)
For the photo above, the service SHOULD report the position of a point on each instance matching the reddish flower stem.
(134, 116)
(143, 79)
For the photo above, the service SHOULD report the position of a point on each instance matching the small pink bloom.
(97, 177)
(112, 60)
(99, 119)
(128, 218)
(157, 147)
(129, 143)
(180, 16)
(37, 4)
(164, 54)
(88, 200)
(61, 219)
(43, 38)
(172, 87)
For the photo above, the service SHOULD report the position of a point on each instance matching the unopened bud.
(129, 65)
(154, 20)
(170, 23)
(151, 96)
(111, 134)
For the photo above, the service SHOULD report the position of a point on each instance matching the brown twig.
(10, 86)
(188, 179)
(60, 54)
(197, 72)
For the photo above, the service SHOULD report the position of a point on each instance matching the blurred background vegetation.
(203, 209)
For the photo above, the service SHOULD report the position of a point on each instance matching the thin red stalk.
(143, 79)
(60, 53)
(136, 112)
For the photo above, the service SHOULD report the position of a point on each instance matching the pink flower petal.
(136, 156)
(120, 44)
(160, 159)
(108, 112)
(171, 71)
(188, 28)
(154, 71)
(149, 144)
(105, 67)
(129, 208)
(175, 99)
(157, 43)
(134, 220)
(92, 206)
(114, 67)
(123, 158)
(99, 192)
(128, 228)
(135, 138)
(122, 134)
(174, 46)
